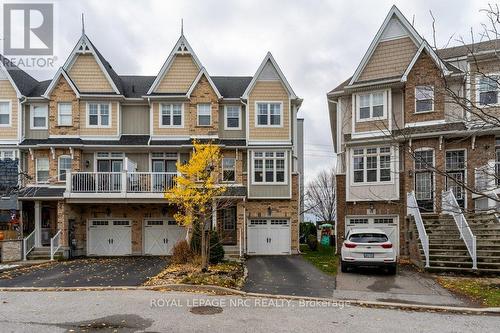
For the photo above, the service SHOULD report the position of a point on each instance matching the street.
(151, 311)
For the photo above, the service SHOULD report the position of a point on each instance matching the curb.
(228, 291)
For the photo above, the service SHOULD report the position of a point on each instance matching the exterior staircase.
(448, 253)
(43, 253)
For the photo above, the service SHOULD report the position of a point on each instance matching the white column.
(38, 224)
(214, 215)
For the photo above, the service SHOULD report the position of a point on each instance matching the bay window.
(371, 106)
(269, 167)
(424, 99)
(268, 114)
(171, 115)
(371, 165)
(98, 115)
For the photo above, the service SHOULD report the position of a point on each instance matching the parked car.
(368, 247)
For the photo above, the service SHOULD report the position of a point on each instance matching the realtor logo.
(28, 29)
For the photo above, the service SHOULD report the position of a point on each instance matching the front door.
(455, 171)
(227, 226)
(109, 175)
(424, 180)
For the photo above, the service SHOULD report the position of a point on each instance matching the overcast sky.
(317, 43)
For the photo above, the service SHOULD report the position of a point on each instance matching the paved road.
(287, 275)
(407, 286)
(132, 311)
(85, 272)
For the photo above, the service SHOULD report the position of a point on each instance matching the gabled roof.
(425, 47)
(203, 72)
(52, 85)
(181, 47)
(269, 57)
(136, 86)
(23, 82)
(232, 86)
(393, 12)
(83, 46)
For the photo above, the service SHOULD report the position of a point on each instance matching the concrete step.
(441, 269)
(43, 253)
(462, 263)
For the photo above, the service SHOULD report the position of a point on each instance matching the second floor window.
(371, 165)
(39, 115)
(269, 167)
(171, 115)
(42, 170)
(233, 117)
(269, 114)
(488, 90)
(64, 167)
(98, 115)
(64, 114)
(424, 99)
(4, 113)
(371, 106)
(228, 169)
(204, 114)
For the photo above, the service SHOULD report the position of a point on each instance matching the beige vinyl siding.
(390, 58)
(90, 158)
(179, 76)
(142, 160)
(231, 134)
(397, 109)
(88, 76)
(32, 133)
(271, 190)
(97, 131)
(269, 91)
(135, 119)
(7, 92)
(169, 131)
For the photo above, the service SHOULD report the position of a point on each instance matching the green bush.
(196, 239)
(306, 229)
(312, 242)
(216, 249)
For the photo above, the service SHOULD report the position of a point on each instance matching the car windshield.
(368, 238)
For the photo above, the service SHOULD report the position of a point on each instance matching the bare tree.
(320, 199)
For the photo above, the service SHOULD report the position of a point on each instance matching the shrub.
(312, 242)
(196, 239)
(306, 229)
(181, 253)
(216, 248)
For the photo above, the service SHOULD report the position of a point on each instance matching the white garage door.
(269, 236)
(160, 236)
(109, 238)
(388, 224)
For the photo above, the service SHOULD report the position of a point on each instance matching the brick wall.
(63, 93)
(53, 162)
(203, 93)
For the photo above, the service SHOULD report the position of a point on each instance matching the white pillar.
(38, 224)
(214, 214)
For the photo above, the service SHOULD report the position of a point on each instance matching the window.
(358, 221)
(232, 117)
(171, 115)
(5, 111)
(64, 166)
(424, 99)
(371, 106)
(7, 154)
(42, 170)
(64, 114)
(98, 115)
(39, 115)
(204, 115)
(488, 90)
(269, 114)
(371, 164)
(228, 169)
(269, 167)
(229, 218)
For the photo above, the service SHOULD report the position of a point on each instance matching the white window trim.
(10, 112)
(226, 127)
(59, 167)
(371, 93)
(59, 114)
(32, 117)
(198, 114)
(433, 174)
(433, 99)
(3, 151)
(478, 79)
(234, 169)
(99, 115)
(465, 171)
(36, 170)
(392, 155)
(171, 116)
(256, 111)
(264, 167)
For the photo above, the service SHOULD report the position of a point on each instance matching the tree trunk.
(204, 247)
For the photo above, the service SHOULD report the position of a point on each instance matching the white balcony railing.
(120, 182)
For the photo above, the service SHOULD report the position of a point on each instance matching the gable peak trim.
(425, 46)
(52, 85)
(203, 72)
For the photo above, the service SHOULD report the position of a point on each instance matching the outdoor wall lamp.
(87, 163)
(269, 211)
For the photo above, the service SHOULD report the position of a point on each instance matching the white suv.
(368, 247)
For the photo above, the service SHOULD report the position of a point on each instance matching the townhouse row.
(96, 151)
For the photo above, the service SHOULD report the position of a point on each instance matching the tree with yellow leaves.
(196, 191)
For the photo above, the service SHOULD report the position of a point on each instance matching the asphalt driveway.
(86, 272)
(287, 275)
(407, 286)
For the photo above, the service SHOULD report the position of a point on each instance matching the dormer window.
(488, 90)
(371, 106)
(424, 99)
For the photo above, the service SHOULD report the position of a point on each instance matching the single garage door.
(269, 236)
(109, 238)
(160, 236)
(388, 224)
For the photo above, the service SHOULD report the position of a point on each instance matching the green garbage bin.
(325, 240)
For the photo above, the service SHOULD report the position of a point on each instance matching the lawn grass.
(324, 258)
(483, 290)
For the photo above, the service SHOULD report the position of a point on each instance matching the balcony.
(119, 184)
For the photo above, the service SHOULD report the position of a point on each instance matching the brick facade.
(62, 93)
(203, 93)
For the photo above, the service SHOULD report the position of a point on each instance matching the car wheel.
(343, 267)
(392, 270)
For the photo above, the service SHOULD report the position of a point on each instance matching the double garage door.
(114, 237)
(388, 224)
(268, 236)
